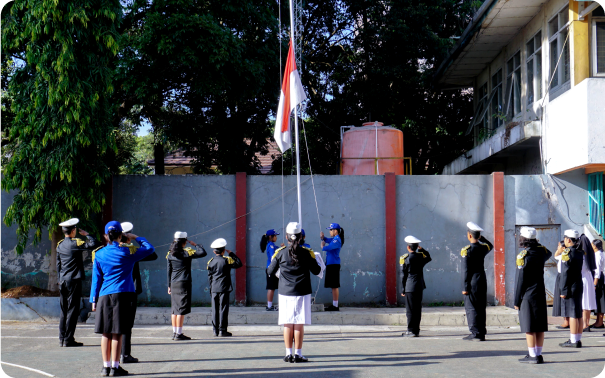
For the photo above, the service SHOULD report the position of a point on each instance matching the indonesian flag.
(292, 94)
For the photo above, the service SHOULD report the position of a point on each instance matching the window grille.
(596, 204)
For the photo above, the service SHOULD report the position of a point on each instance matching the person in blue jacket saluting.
(112, 292)
(332, 247)
(267, 243)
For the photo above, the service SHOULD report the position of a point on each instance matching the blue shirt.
(112, 268)
(332, 249)
(307, 246)
(271, 247)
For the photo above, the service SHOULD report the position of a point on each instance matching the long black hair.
(293, 249)
(177, 246)
(527, 243)
(341, 233)
(264, 240)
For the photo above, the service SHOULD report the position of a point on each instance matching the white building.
(537, 68)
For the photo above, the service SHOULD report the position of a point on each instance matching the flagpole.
(296, 123)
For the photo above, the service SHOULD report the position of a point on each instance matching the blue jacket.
(112, 268)
(271, 247)
(332, 249)
(307, 246)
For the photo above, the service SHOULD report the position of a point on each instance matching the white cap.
(69, 223)
(180, 235)
(218, 243)
(126, 226)
(412, 239)
(572, 234)
(293, 228)
(473, 227)
(528, 232)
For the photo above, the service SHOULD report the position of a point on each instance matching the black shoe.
(61, 343)
(569, 344)
(272, 308)
(118, 372)
(128, 360)
(540, 359)
(289, 358)
(409, 334)
(180, 336)
(72, 343)
(215, 334)
(473, 337)
(593, 326)
(226, 334)
(587, 329)
(298, 359)
(559, 327)
(331, 308)
(529, 360)
(105, 371)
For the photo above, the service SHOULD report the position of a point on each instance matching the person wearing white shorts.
(295, 264)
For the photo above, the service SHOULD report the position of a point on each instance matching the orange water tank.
(372, 149)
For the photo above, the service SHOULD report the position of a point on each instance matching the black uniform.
(136, 277)
(570, 282)
(530, 293)
(475, 284)
(219, 279)
(294, 280)
(70, 268)
(179, 278)
(412, 281)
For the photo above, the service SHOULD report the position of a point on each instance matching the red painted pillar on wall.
(240, 237)
(390, 202)
(499, 260)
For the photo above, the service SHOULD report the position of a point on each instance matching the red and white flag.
(292, 94)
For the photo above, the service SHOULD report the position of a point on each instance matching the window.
(598, 42)
(513, 85)
(596, 202)
(534, 68)
(496, 103)
(559, 47)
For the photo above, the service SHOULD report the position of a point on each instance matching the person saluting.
(475, 282)
(572, 259)
(530, 294)
(70, 268)
(412, 281)
(219, 279)
(178, 261)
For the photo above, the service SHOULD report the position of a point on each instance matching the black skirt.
(556, 300)
(571, 307)
(114, 313)
(180, 297)
(532, 314)
(272, 282)
(600, 292)
(332, 276)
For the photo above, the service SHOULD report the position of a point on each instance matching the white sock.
(573, 338)
(179, 330)
(269, 304)
(115, 364)
(106, 364)
(335, 303)
(288, 351)
(578, 336)
(532, 351)
(538, 351)
(173, 329)
(298, 352)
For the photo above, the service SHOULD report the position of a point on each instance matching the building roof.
(493, 27)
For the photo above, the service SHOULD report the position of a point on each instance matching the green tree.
(61, 100)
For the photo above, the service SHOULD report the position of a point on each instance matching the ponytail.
(341, 233)
(292, 250)
(264, 240)
(176, 246)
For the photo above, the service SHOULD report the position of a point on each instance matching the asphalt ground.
(336, 351)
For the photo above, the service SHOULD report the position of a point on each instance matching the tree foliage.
(61, 101)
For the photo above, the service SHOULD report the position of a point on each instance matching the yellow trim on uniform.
(310, 251)
(94, 251)
(190, 251)
(487, 245)
(464, 251)
(167, 255)
(277, 251)
(565, 255)
(230, 261)
(208, 264)
(78, 241)
(521, 258)
(402, 259)
(60, 241)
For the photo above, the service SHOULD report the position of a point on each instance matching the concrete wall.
(432, 208)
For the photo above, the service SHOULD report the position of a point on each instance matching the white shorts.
(294, 310)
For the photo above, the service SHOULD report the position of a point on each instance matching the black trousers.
(70, 296)
(220, 311)
(127, 336)
(413, 310)
(474, 304)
